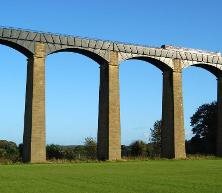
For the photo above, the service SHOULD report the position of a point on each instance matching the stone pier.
(219, 116)
(109, 147)
(34, 150)
(173, 142)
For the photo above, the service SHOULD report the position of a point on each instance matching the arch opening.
(72, 94)
(203, 86)
(140, 100)
(12, 89)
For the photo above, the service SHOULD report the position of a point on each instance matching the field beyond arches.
(168, 176)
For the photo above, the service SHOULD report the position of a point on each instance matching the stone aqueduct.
(170, 60)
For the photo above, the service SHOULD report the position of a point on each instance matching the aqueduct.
(170, 60)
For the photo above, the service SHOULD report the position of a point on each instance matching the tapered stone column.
(34, 122)
(173, 142)
(219, 116)
(109, 147)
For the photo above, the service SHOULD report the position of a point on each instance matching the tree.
(90, 147)
(204, 125)
(69, 153)
(54, 152)
(125, 151)
(9, 151)
(80, 151)
(138, 148)
(155, 138)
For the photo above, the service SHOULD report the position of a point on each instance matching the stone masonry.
(173, 142)
(36, 46)
(109, 147)
(219, 115)
(34, 126)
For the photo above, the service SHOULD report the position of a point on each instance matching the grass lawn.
(154, 176)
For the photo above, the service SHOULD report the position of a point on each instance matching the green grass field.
(154, 176)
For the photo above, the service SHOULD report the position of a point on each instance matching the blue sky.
(72, 80)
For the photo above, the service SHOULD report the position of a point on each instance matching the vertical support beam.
(173, 142)
(34, 149)
(109, 147)
(219, 116)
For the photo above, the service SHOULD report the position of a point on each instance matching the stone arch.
(19, 47)
(163, 64)
(215, 69)
(98, 56)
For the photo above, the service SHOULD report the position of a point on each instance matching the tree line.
(204, 126)
(203, 123)
(10, 152)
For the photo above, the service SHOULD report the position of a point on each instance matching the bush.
(79, 152)
(69, 154)
(138, 148)
(54, 152)
(90, 148)
(9, 151)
